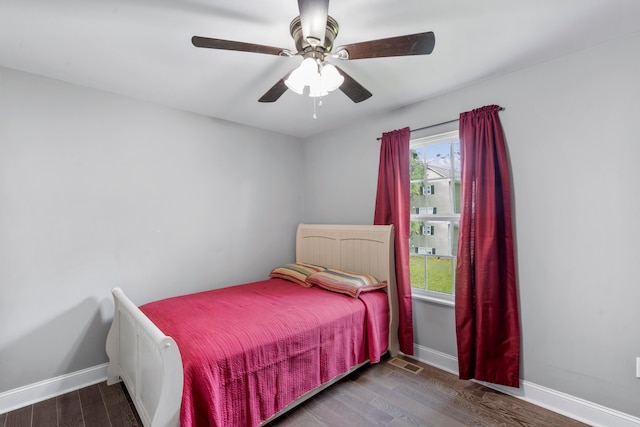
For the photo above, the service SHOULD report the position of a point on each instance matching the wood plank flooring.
(99, 405)
(378, 395)
(386, 395)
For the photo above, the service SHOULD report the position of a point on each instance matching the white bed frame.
(149, 362)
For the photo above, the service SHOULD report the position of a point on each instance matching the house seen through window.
(435, 214)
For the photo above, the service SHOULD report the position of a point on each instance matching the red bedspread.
(249, 350)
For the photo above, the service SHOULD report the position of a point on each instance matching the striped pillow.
(345, 282)
(296, 273)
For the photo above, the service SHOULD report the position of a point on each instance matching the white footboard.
(147, 361)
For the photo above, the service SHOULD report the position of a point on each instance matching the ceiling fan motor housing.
(305, 48)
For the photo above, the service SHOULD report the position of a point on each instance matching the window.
(435, 214)
(427, 230)
(427, 189)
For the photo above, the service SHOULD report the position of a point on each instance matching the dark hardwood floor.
(378, 395)
(99, 405)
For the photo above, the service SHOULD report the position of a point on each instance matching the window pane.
(432, 237)
(418, 198)
(418, 160)
(457, 196)
(441, 238)
(454, 238)
(440, 274)
(417, 268)
(439, 156)
(441, 197)
(439, 170)
(456, 159)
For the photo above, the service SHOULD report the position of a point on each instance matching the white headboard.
(365, 249)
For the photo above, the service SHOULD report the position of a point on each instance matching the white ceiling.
(142, 49)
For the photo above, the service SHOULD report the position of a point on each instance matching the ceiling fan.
(314, 32)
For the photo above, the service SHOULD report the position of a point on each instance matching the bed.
(279, 367)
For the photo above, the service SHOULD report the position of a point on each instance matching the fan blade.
(275, 92)
(313, 20)
(352, 88)
(232, 45)
(413, 44)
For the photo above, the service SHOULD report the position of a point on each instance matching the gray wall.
(571, 129)
(100, 191)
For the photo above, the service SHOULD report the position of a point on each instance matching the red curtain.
(392, 207)
(487, 327)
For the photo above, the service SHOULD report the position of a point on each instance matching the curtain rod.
(437, 124)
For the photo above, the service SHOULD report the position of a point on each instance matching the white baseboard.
(43, 390)
(435, 358)
(562, 403)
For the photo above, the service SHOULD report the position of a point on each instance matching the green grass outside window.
(439, 272)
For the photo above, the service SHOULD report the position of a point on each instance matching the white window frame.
(425, 294)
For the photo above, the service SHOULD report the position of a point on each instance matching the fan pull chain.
(315, 116)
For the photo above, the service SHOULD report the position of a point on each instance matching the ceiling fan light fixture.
(302, 76)
(316, 88)
(331, 78)
(295, 82)
(321, 79)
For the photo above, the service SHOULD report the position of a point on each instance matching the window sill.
(432, 299)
